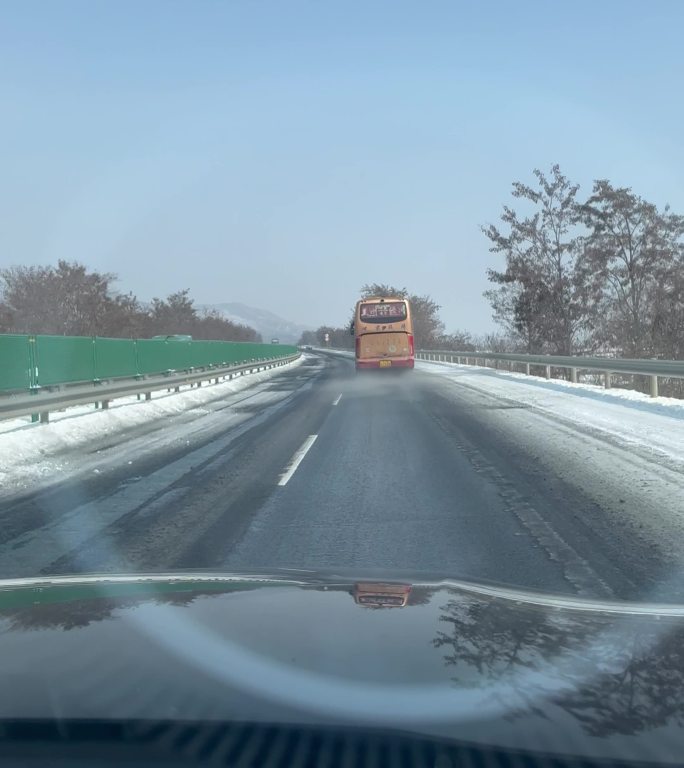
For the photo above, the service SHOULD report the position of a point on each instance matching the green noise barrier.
(31, 362)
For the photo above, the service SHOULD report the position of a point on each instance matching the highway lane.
(321, 468)
(411, 472)
(146, 493)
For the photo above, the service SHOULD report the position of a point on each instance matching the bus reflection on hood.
(380, 595)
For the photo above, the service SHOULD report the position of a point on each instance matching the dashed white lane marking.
(297, 460)
(337, 400)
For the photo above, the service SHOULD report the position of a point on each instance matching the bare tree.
(637, 251)
(31, 300)
(308, 338)
(458, 341)
(71, 300)
(211, 324)
(338, 338)
(667, 303)
(544, 294)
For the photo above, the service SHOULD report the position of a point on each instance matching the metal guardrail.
(607, 366)
(39, 403)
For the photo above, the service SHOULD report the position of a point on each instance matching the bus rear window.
(383, 312)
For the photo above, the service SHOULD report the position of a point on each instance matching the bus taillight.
(358, 346)
(410, 341)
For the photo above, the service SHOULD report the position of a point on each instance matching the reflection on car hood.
(464, 661)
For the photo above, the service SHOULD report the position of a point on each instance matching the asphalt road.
(320, 468)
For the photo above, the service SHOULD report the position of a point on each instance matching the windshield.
(212, 211)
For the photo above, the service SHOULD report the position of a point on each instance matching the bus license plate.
(385, 363)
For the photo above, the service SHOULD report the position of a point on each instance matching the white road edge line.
(335, 402)
(297, 460)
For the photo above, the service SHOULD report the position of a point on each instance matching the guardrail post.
(654, 386)
(148, 395)
(573, 375)
(34, 388)
(105, 405)
(548, 371)
(527, 368)
(45, 417)
(606, 380)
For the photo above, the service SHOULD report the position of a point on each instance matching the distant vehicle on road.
(174, 337)
(275, 341)
(384, 333)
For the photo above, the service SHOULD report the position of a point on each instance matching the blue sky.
(284, 153)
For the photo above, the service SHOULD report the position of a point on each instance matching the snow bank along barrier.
(606, 366)
(43, 373)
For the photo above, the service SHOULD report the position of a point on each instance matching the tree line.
(599, 274)
(71, 300)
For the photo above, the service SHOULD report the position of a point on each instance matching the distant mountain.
(270, 326)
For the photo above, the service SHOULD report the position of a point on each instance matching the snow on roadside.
(25, 446)
(653, 423)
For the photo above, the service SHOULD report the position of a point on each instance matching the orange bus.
(384, 333)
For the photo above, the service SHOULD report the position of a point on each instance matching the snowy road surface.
(447, 470)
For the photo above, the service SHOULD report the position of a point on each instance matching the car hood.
(463, 661)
